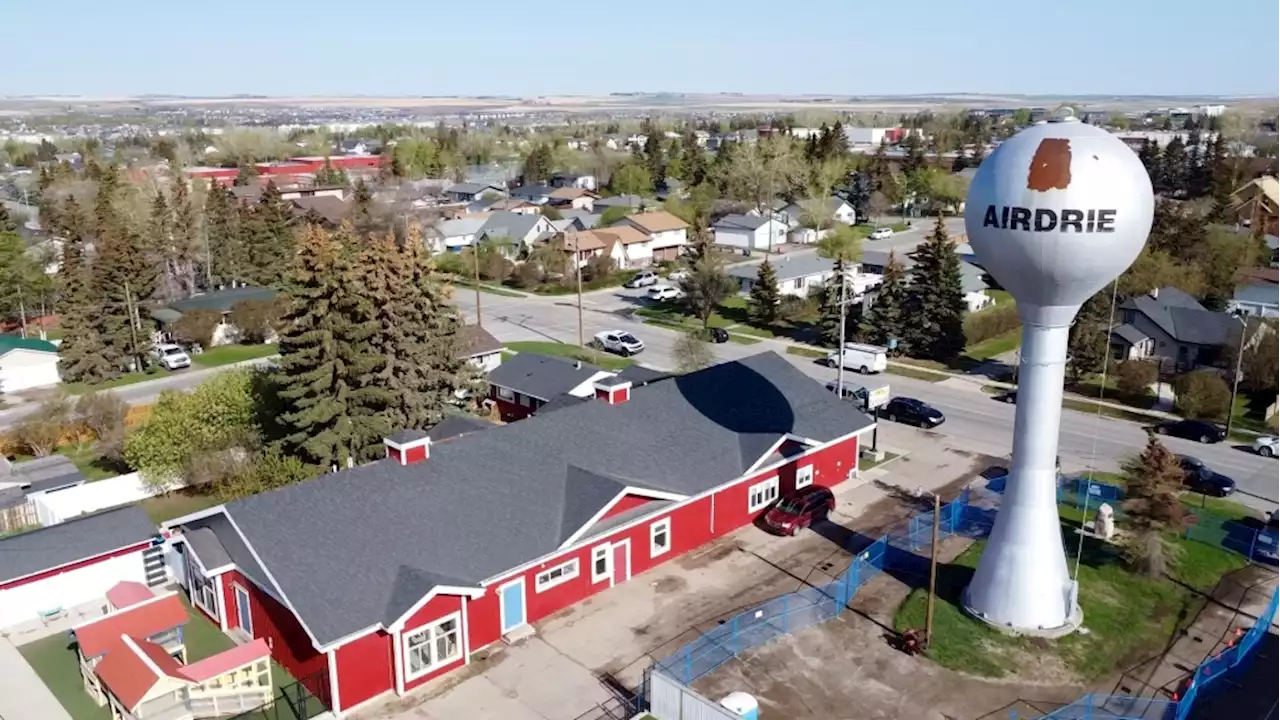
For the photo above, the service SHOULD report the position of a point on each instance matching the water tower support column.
(1022, 581)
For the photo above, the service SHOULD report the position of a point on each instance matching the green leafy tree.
(328, 175)
(935, 299)
(196, 327)
(39, 432)
(7, 223)
(1202, 394)
(218, 415)
(842, 243)
(886, 319)
(330, 411)
(258, 320)
(705, 288)
(1135, 377)
(692, 352)
(764, 298)
(631, 179)
(20, 276)
(613, 214)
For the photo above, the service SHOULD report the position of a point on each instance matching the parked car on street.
(171, 357)
(1009, 396)
(1203, 479)
(642, 279)
(1265, 445)
(912, 412)
(618, 341)
(663, 293)
(678, 276)
(717, 335)
(799, 510)
(863, 358)
(883, 233)
(1198, 430)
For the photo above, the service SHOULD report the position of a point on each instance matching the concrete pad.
(474, 698)
(36, 629)
(23, 696)
(546, 681)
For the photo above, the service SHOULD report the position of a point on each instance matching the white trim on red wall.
(629, 490)
(334, 699)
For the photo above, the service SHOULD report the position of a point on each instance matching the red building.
(372, 581)
(288, 169)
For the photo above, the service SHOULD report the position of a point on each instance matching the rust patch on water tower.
(1051, 166)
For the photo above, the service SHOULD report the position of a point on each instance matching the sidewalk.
(23, 695)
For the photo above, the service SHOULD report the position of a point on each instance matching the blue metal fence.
(798, 610)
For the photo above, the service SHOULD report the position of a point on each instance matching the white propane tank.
(742, 705)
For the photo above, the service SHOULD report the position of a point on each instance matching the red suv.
(800, 509)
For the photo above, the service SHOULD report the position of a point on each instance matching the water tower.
(1055, 214)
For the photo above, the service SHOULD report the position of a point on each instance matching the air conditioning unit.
(853, 473)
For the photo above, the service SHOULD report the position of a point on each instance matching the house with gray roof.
(973, 279)
(515, 232)
(381, 577)
(1184, 332)
(471, 191)
(526, 381)
(1257, 292)
(62, 568)
(749, 232)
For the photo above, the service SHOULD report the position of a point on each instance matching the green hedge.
(991, 322)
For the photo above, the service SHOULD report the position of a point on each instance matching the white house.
(481, 349)
(453, 235)
(517, 231)
(667, 233)
(629, 247)
(470, 192)
(834, 209)
(747, 232)
(972, 278)
(802, 274)
(27, 363)
(574, 180)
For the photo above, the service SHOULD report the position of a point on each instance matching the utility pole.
(133, 327)
(475, 264)
(933, 571)
(844, 311)
(22, 311)
(577, 261)
(1235, 381)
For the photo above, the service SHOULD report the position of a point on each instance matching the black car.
(1198, 430)
(717, 335)
(1010, 397)
(912, 412)
(1203, 479)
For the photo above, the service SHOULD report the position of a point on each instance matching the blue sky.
(526, 47)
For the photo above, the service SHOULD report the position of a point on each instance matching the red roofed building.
(127, 594)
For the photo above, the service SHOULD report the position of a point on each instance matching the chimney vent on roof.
(408, 446)
(613, 390)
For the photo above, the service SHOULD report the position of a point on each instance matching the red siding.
(625, 503)
(510, 410)
(366, 669)
(415, 454)
(393, 453)
(436, 608)
(137, 548)
(289, 643)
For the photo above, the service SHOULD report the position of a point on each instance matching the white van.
(862, 358)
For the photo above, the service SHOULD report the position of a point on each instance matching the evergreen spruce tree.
(159, 247)
(81, 353)
(228, 252)
(124, 276)
(269, 238)
(935, 299)
(885, 320)
(829, 309)
(1218, 172)
(1172, 180)
(763, 301)
(185, 245)
(362, 218)
(330, 412)
(1149, 155)
(7, 223)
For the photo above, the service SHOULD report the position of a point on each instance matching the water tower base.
(1073, 623)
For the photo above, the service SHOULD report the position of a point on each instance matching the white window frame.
(568, 571)
(804, 476)
(605, 550)
(768, 491)
(238, 591)
(506, 394)
(430, 630)
(664, 526)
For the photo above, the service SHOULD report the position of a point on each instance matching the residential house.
(220, 301)
(574, 180)
(1257, 292)
(499, 528)
(572, 198)
(749, 232)
(325, 210)
(470, 192)
(52, 570)
(1185, 332)
(580, 245)
(454, 235)
(27, 363)
(631, 202)
(833, 210)
(589, 218)
(800, 275)
(1129, 343)
(23, 485)
(481, 348)
(502, 204)
(515, 232)
(536, 193)
(1258, 202)
(625, 245)
(667, 233)
(565, 225)
(973, 279)
(527, 381)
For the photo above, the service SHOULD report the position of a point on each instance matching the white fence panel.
(669, 700)
(62, 505)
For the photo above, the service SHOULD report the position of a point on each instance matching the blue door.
(242, 609)
(512, 606)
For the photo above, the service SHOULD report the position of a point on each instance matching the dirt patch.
(669, 585)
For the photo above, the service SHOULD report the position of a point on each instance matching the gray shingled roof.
(207, 547)
(541, 376)
(42, 474)
(511, 225)
(478, 341)
(233, 546)
(454, 425)
(76, 539)
(1183, 317)
(787, 267)
(1129, 334)
(356, 548)
(740, 222)
(629, 201)
(639, 375)
(470, 188)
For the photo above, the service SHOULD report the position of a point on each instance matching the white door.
(242, 609)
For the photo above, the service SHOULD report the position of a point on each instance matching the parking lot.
(619, 632)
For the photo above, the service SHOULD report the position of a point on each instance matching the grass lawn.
(125, 379)
(176, 504)
(491, 289)
(868, 464)
(574, 352)
(228, 354)
(1225, 509)
(1247, 414)
(1129, 617)
(87, 460)
(1000, 297)
(807, 352)
(911, 372)
(996, 346)
(54, 660)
